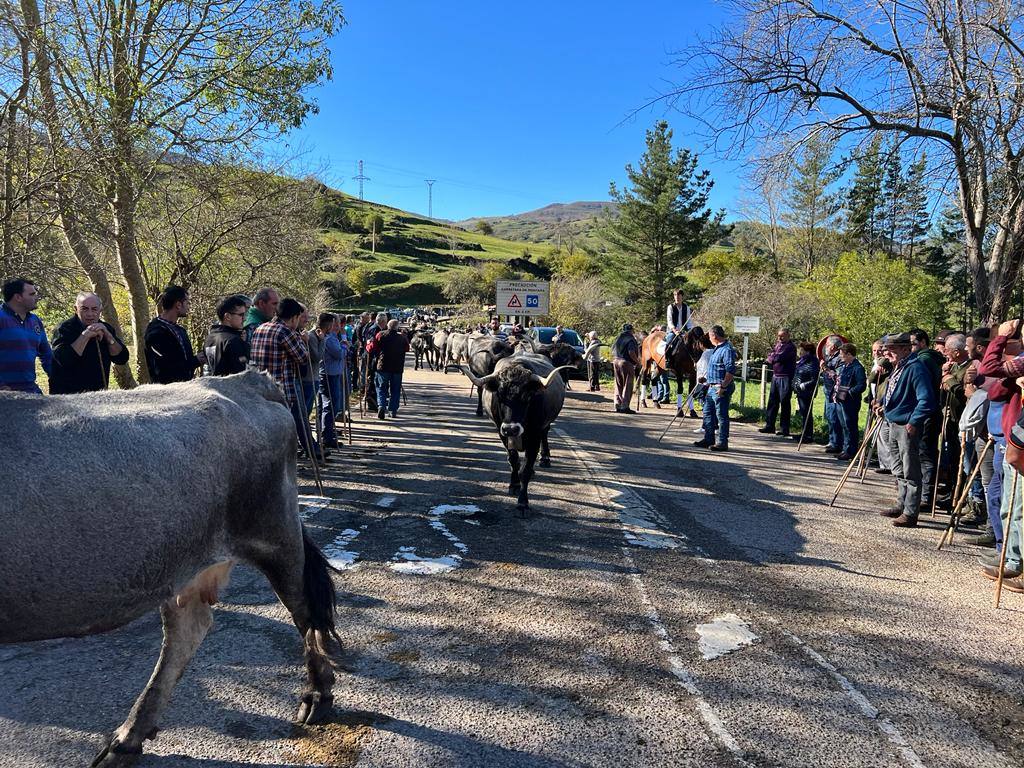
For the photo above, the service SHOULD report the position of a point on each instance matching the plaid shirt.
(277, 350)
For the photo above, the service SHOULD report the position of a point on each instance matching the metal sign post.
(745, 324)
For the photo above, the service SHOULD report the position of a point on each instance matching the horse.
(168, 488)
(683, 363)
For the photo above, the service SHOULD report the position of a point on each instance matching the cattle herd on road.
(84, 552)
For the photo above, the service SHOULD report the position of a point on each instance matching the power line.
(430, 197)
(361, 178)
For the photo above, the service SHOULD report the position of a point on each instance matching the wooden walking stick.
(810, 414)
(308, 433)
(853, 462)
(103, 368)
(938, 463)
(1006, 536)
(954, 515)
(346, 394)
(862, 468)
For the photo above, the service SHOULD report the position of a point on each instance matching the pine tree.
(893, 199)
(663, 221)
(864, 199)
(812, 206)
(915, 218)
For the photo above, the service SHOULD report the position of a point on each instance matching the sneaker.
(991, 572)
(702, 444)
(905, 522)
(833, 449)
(380, 413)
(989, 561)
(698, 430)
(720, 447)
(987, 539)
(844, 456)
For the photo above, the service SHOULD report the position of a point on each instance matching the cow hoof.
(523, 510)
(545, 461)
(116, 756)
(315, 710)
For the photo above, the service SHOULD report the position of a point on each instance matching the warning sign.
(523, 297)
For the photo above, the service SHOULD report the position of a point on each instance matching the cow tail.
(318, 588)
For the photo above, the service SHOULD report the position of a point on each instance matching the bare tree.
(948, 76)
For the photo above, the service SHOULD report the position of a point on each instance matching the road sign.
(746, 324)
(523, 297)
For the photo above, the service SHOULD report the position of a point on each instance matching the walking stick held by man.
(311, 454)
(853, 462)
(938, 463)
(810, 414)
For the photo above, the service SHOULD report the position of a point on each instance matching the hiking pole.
(954, 515)
(1006, 536)
(103, 368)
(938, 463)
(681, 409)
(308, 433)
(810, 414)
(346, 394)
(853, 462)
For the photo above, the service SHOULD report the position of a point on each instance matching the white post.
(764, 380)
(743, 380)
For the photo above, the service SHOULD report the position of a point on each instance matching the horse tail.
(318, 588)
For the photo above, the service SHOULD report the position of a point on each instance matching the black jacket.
(88, 372)
(391, 347)
(168, 354)
(227, 352)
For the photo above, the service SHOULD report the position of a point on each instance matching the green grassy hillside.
(413, 254)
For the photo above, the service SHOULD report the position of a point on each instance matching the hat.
(897, 339)
(941, 336)
(627, 327)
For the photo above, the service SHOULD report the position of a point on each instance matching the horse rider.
(678, 320)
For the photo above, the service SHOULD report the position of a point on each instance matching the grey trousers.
(882, 445)
(905, 450)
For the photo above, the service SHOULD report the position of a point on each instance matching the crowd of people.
(942, 414)
(316, 367)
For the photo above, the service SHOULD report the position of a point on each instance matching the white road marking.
(406, 560)
(337, 552)
(386, 502)
(631, 521)
(722, 635)
(642, 525)
(885, 725)
(310, 505)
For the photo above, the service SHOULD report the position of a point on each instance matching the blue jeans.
(994, 492)
(849, 412)
(1011, 515)
(833, 417)
(659, 388)
(716, 414)
(331, 406)
(389, 389)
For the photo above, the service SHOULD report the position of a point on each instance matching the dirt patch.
(385, 637)
(404, 656)
(338, 743)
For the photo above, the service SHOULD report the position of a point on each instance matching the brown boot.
(992, 573)
(892, 512)
(903, 521)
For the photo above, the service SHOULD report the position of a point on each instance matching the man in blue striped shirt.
(721, 370)
(22, 338)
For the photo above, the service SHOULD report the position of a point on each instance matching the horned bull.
(523, 396)
(131, 500)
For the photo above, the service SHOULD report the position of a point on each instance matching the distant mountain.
(553, 223)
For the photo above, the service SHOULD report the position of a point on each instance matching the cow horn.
(477, 381)
(551, 376)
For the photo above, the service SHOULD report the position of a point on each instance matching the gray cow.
(131, 500)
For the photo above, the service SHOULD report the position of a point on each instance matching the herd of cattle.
(153, 516)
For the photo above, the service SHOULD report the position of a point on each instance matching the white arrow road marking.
(310, 505)
(406, 560)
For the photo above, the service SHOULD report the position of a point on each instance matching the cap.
(897, 339)
(627, 327)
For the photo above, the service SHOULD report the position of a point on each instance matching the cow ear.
(491, 385)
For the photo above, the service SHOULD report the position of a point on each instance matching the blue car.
(543, 334)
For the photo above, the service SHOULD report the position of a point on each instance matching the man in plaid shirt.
(279, 349)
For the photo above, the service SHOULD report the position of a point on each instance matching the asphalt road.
(662, 605)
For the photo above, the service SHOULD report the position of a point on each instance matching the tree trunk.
(122, 208)
(59, 158)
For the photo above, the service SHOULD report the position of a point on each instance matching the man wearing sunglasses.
(227, 351)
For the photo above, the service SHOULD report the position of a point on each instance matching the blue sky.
(510, 106)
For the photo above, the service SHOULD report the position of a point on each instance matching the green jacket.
(253, 318)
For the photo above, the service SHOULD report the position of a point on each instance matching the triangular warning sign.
(514, 302)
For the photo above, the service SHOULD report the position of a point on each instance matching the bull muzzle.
(511, 429)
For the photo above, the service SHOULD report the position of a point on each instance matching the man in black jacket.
(83, 349)
(391, 347)
(169, 354)
(227, 351)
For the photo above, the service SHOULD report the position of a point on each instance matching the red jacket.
(1004, 387)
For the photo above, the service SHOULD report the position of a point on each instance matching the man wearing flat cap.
(909, 399)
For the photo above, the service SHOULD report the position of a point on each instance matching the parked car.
(543, 334)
